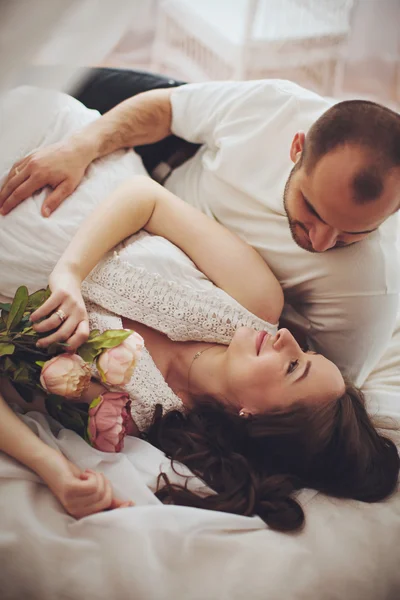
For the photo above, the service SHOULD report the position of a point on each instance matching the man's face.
(319, 204)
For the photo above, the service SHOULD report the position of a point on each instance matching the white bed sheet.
(348, 550)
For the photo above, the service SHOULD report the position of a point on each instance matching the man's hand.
(60, 166)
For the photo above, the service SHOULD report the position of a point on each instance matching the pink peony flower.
(116, 365)
(65, 375)
(109, 421)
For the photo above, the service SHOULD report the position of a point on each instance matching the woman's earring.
(244, 414)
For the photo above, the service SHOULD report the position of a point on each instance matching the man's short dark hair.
(373, 127)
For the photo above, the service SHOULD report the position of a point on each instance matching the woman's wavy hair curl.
(257, 465)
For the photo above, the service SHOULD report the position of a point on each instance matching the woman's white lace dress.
(152, 282)
(176, 306)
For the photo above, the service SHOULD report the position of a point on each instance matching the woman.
(257, 419)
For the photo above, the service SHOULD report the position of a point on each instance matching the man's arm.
(142, 119)
(194, 112)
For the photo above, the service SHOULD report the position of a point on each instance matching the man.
(304, 219)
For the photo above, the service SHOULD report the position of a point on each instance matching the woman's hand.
(64, 313)
(60, 166)
(80, 493)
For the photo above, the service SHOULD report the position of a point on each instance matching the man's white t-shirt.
(345, 299)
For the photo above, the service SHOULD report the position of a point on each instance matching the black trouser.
(105, 88)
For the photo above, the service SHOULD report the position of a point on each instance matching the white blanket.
(348, 550)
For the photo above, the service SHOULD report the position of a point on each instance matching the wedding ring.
(61, 315)
(16, 170)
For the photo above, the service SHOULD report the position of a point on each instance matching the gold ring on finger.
(61, 315)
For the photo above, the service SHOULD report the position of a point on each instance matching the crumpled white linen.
(154, 552)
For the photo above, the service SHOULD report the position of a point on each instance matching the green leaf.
(95, 402)
(18, 307)
(29, 331)
(100, 370)
(5, 306)
(6, 349)
(40, 363)
(86, 436)
(93, 334)
(56, 347)
(9, 366)
(21, 374)
(88, 353)
(110, 339)
(25, 391)
(98, 342)
(70, 414)
(38, 298)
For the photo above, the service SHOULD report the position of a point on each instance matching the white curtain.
(121, 33)
(72, 33)
(371, 57)
(373, 53)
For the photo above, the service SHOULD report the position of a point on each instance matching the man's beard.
(294, 225)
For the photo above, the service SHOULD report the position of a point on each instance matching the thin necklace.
(195, 357)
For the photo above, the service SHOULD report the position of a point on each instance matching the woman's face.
(265, 372)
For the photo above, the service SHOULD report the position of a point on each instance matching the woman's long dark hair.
(256, 465)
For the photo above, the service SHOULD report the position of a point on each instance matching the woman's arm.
(81, 493)
(141, 203)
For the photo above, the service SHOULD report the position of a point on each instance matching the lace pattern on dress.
(115, 287)
(100, 318)
(147, 387)
(175, 309)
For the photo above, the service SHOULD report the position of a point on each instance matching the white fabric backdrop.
(372, 56)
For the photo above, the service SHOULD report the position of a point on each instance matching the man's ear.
(297, 146)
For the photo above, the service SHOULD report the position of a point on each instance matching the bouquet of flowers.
(63, 376)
